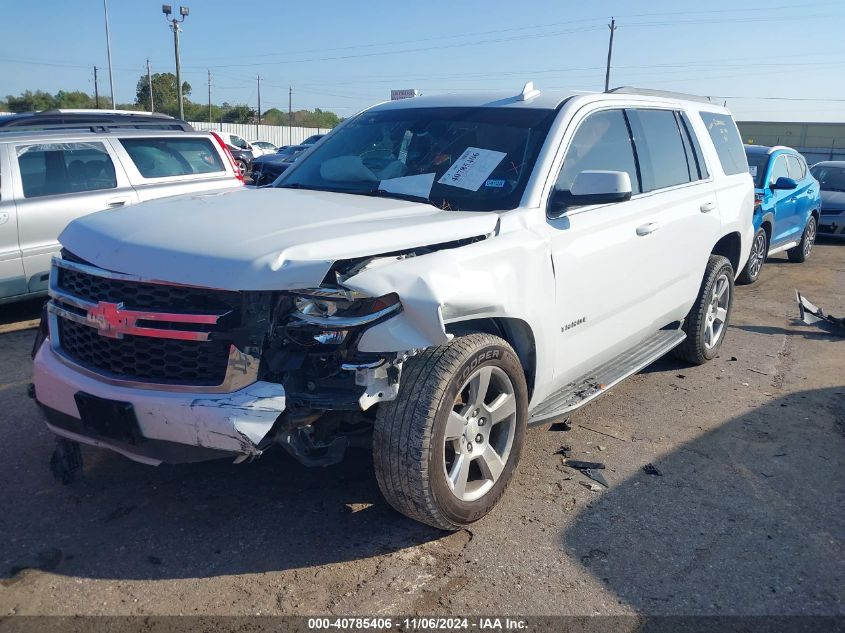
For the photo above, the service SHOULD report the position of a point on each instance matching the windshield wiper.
(384, 193)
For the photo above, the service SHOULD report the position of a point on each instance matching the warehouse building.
(816, 141)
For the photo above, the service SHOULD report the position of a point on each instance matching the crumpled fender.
(508, 275)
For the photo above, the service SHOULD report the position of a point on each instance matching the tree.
(239, 114)
(165, 93)
(31, 101)
(74, 99)
(274, 116)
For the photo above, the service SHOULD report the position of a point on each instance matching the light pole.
(167, 9)
(108, 50)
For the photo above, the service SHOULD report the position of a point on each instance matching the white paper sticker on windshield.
(753, 170)
(419, 185)
(472, 168)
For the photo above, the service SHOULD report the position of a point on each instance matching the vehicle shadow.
(749, 518)
(124, 520)
(807, 331)
(21, 311)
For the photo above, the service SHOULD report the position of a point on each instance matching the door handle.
(117, 202)
(645, 229)
(707, 207)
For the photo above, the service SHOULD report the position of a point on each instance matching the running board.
(579, 392)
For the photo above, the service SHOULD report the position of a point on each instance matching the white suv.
(48, 178)
(431, 279)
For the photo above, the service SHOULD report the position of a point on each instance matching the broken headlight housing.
(338, 308)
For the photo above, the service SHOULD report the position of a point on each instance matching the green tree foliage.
(74, 99)
(31, 101)
(239, 114)
(166, 101)
(165, 93)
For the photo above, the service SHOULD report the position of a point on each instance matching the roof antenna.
(528, 92)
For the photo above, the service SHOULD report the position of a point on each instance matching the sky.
(773, 61)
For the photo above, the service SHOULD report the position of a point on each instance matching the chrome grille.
(128, 330)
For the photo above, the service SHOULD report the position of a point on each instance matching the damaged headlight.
(342, 309)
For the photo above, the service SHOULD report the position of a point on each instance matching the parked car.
(242, 150)
(440, 273)
(787, 202)
(48, 178)
(265, 169)
(831, 177)
(262, 148)
(86, 119)
(312, 139)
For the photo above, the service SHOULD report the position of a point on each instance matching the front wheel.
(446, 448)
(759, 250)
(800, 253)
(707, 321)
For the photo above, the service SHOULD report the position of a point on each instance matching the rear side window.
(797, 167)
(725, 137)
(660, 149)
(602, 141)
(61, 168)
(163, 157)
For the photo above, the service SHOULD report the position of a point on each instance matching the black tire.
(756, 259)
(409, 438)
(801, 253)
(695, 348)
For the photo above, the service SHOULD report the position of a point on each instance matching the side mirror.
(591, 187)
(784, 183)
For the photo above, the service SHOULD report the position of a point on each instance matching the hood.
(259, 239)
(833, 200)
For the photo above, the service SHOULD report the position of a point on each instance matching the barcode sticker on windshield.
(472, 168)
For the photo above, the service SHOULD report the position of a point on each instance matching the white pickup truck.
(433, 277)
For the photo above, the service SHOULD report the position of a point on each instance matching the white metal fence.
(276, 134)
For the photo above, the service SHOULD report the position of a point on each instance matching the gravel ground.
(747, 516)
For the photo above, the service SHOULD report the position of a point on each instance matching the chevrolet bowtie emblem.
(109, 319)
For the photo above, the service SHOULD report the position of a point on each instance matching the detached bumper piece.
(812, 315)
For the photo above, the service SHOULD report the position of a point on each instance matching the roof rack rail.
(94, 111)
(648, 92)
(163, 124)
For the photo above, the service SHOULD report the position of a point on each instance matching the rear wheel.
(800, 253)
(446, 448)
(707, 322)
(759, 250)
(242, 166)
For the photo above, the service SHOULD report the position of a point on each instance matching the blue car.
(787, 201)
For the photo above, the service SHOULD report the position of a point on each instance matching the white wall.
(275, 134)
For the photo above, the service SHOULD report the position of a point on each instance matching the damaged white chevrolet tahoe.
(436, 275)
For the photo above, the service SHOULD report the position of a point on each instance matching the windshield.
(469, 159)
(830, 178)
(757, 167)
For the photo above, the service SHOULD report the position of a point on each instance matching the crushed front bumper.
(174, 426)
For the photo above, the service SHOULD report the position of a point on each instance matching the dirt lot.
(748, 516)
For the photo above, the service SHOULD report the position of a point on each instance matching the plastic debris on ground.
(813, 315)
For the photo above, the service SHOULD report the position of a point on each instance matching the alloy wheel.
(479, 433)
(717, 313)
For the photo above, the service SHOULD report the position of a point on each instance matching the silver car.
(48, 178)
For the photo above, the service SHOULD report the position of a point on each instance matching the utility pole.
(290, 116)
(612, 27)
(167, 9)
(257, 125)
(209, 95)
(96, 90)
(150, 86)
(108, 47)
